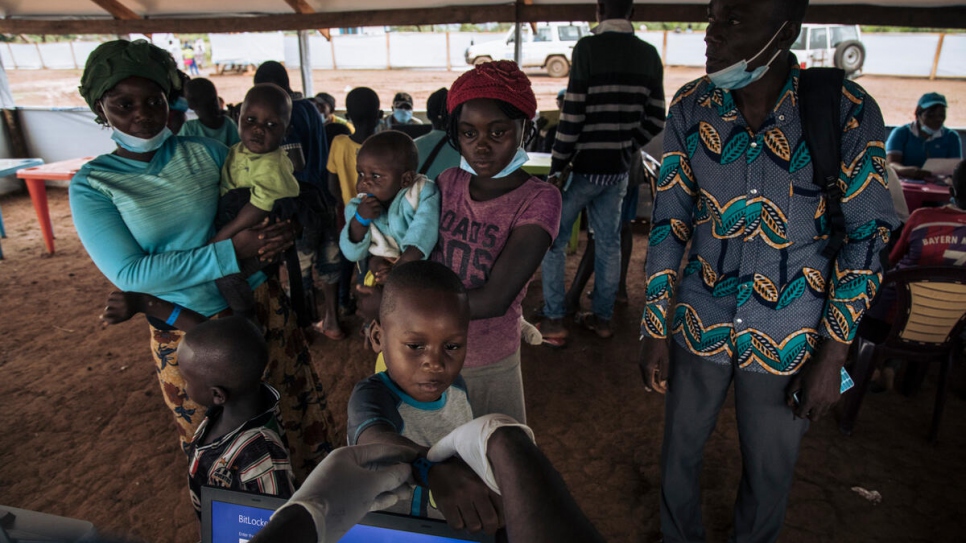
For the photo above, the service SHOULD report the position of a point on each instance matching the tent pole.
(939, 53)
(517, 32)
(305, 62)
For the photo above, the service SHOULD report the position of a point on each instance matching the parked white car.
(831, 45)
(549, 47)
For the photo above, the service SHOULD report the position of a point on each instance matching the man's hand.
(556, 180)
(469, 442)
(819, 382)
(464, 499)
(350, 482)
(369, 207)
(655, 363)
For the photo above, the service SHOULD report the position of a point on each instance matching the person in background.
(911, 144)
(435, 152)
(178, 105)
(211, 122)
(933, 236)
(188, 54)
(402, 113)
(614, 105)
(240, 444)
(362, 108)
(325, 103)
(334, 126)
(318, 245)
(547, 129)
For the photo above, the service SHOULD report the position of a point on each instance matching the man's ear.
(788, 35)
(219, 396)
(408, 178)
(375, 336)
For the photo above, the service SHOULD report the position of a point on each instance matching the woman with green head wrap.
(145, 213)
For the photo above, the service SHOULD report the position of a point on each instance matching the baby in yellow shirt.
(257, 174)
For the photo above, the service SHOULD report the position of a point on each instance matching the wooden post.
(449, 62)
(388, 55)
(935, 60)
(40, 55)
(664, 49)
(335, 66)
(517, 36)
(73, 54)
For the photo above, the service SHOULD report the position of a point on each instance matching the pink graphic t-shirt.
(471, 236)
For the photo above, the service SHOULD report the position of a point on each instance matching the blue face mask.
(737, 75)
(519, 159)
(926, 130)
(140, 145)
(402, 116)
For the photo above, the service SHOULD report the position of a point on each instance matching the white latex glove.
(469, 442)
(349, 483)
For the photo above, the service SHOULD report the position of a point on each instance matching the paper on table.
(941, 166)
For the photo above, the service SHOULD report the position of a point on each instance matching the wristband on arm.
(173, 317)
(422, 467)
(362, 220)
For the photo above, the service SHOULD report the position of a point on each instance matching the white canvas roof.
(107, 16)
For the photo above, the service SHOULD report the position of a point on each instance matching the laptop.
(230, 516)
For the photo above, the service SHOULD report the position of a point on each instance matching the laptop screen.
(235, 517)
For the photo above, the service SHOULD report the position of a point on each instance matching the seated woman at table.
(145, 214)
(910, 145)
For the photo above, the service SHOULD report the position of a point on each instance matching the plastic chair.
(931, 313)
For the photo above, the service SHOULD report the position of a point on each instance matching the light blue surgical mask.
(737, 75)
(926, 130)
(141, 145)
(402, 116)
(519, 159)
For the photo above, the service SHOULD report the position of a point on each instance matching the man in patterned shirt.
(757, 302)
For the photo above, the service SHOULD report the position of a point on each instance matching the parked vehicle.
(550, 47)
(831, 45)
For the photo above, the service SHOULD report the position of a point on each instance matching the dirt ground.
(85, 434)
(58, 88)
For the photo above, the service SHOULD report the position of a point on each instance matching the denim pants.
(603, 203)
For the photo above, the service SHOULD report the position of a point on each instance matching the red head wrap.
(499, 80)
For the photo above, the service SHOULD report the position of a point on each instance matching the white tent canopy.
(124, 16)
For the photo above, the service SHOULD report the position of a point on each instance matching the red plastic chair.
(931, 314)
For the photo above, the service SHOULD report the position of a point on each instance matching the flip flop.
(335, 335)
(557, 340)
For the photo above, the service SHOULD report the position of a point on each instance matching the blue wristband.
(173, 316)
(362, 220)
(422, 466)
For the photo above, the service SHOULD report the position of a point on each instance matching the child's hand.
(380, 268)
(121, 306)
(369, 208)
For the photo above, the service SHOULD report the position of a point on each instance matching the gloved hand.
(469, 441)
(350, 482)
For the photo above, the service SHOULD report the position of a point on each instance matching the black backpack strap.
(432, 155)
(820, 92)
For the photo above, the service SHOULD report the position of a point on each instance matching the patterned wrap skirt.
(305, 416)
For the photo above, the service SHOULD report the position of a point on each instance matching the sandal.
(554, 340)
(595, 324)
(335, 335)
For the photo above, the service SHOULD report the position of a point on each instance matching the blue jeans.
(603, 205)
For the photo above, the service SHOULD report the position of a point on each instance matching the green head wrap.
(115, 61)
